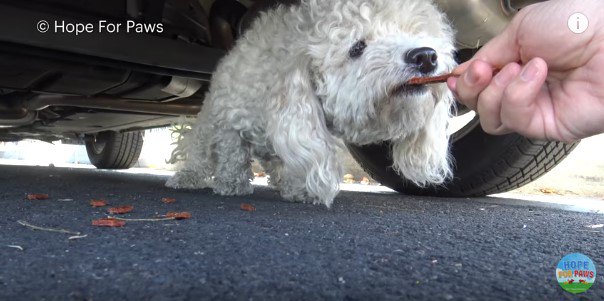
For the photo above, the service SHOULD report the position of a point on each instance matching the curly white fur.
(289, 91)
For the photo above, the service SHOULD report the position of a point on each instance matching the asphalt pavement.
(369, 246)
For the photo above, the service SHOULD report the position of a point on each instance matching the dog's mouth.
(408, 90)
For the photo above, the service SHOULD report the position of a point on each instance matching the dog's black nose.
(424, 59)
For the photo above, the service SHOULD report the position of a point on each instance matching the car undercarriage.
(56, 85)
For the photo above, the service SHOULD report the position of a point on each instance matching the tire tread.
(533, 159)
(121, 150)
(520, 161)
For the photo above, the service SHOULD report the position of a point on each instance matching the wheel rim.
(461, 125)
(98, 146)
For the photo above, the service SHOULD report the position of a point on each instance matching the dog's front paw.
(232, 187)
(301, 195)
(186, 179)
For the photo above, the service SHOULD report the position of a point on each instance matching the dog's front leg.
(290, 182)
(311, 179)
(233, 173)
(301, 139)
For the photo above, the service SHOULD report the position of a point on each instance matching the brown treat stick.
(437, 79)
(431, 80)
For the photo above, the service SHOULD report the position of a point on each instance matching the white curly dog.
(304, 77)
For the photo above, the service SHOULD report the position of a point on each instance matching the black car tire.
(483, 164)
(113, 150)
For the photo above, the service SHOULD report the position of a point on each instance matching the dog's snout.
(424, 59)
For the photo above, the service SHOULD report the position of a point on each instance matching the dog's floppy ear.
(300, 135)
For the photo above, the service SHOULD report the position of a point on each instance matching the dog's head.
(350, 62)
(362, 54)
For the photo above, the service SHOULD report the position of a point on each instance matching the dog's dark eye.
(357, 49)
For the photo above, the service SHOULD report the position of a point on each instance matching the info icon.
(578, 23)
(576, 273)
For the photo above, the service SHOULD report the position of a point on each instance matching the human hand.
(551, 83)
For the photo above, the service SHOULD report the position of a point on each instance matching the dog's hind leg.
(233, 173)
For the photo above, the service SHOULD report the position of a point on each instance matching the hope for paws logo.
(576, 273)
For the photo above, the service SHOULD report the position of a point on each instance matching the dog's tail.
(179, 133)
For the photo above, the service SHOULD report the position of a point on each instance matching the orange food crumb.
(179, 215)
(98, 203)
(247, 207)
(108, 222)
(121, 209)
(168, 200)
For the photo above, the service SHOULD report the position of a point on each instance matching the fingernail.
(470, 77)
(529, 72)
